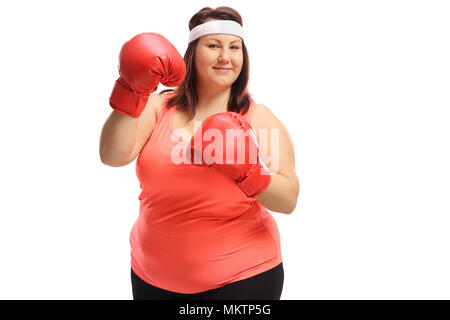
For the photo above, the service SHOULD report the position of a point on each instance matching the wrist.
(126, 101)
(257, 181)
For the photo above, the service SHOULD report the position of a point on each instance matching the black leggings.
(264, 286)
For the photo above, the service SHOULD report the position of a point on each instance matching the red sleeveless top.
(196, 229)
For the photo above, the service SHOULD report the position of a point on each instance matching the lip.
(222, 69)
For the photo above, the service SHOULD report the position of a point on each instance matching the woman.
(203, 231)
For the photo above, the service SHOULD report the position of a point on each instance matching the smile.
(222, 70)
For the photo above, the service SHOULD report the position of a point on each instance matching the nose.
(224, 56)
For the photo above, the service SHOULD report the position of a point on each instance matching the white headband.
(216, 26)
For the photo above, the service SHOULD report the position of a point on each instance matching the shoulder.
(276, 144)
(264, 118)
(261, 109)
(270, 130)
(157, 101)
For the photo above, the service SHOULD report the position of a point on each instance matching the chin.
(219, 81)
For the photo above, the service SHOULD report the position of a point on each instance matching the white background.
(361, 86)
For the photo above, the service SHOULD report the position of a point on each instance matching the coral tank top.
(196, 229)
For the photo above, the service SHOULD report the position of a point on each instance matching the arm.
(277, 152)
(281, 195)
(144, 61)
(117, 139)
(252, 173)
(123, 137)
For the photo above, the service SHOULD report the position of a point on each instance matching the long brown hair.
(185, 95)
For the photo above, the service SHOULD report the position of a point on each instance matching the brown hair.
(185, 95)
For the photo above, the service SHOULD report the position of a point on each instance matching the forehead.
(221, 37)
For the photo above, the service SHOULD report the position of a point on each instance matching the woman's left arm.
(277, 152)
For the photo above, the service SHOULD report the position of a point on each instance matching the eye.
(215, 45)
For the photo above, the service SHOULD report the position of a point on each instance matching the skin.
(282, 193)
(213, 89)
(123, 137)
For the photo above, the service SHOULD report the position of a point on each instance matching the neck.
(212, 99)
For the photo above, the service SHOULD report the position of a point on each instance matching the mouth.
(223, 70)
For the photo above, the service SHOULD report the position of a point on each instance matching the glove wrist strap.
(126, 101)
(257, 181)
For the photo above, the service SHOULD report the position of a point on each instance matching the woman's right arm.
(123, 137)
(144, 61)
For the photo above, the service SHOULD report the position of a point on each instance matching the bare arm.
(277, 152)
(123, 137)
(281, 195)
(117, 139)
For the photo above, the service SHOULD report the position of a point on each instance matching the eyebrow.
(221, 41)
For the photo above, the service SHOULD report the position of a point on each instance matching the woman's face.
(218, 59)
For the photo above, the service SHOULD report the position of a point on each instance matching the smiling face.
(218, 59)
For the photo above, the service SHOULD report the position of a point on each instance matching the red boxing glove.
(240, 161)
(145, 61)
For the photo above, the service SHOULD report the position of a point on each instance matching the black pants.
(264, 286)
